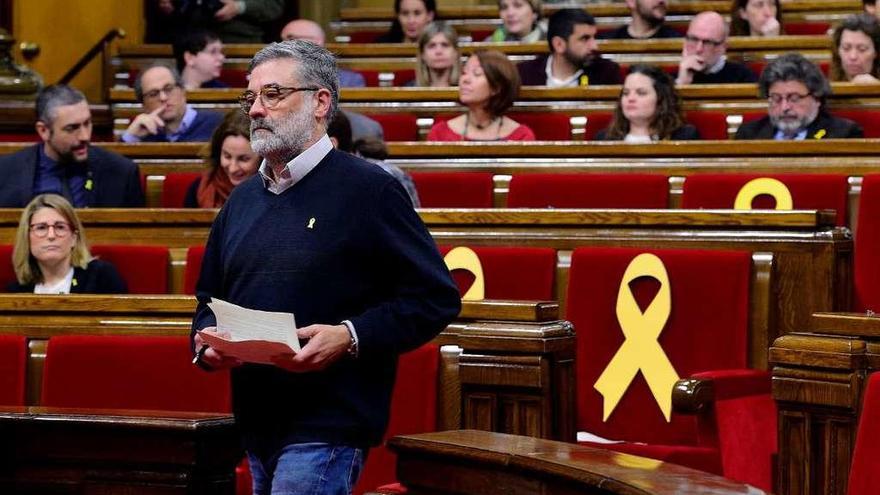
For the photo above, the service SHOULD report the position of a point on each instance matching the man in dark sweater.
(574, 58)
(703, 56)
(65, 163)
(334, 240)
(167, 117)
(647, 19)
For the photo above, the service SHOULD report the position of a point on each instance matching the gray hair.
(139, 85)
(54, 96)
(316, 66)
(795, 67)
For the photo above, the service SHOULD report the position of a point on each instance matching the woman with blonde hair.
(51, 256)
(520, 21)
(439, 63)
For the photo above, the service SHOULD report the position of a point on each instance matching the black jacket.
(116, 180)
(824, 127)
(599, 71)
(99, 277)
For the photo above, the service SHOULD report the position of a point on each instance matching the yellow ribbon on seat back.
(763, 185)
(640, 351)
(464, 258)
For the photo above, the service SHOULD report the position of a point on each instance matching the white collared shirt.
(561, 83)
(61, 287)
(297, 168)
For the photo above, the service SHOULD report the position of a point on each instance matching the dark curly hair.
(668, 116)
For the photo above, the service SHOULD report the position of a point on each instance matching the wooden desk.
(91, 452)
(819, 376)
(469, 462)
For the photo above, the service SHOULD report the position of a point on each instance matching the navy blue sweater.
(367, 257)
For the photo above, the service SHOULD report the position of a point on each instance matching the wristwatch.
(352, 350)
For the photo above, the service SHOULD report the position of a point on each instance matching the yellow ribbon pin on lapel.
(640, 350)
(763, 185)
(464, 258)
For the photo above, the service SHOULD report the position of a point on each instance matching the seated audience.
(410, 19)
(520, 21)
(574, 58)
(65, 162)
(231, 161)
(199, 56)
(167, 117)
(796, 91)
(703, 56)
(304, 29)
(51, 255)
(235, 21)
(649, 109)
(756, 18)
(488, 86)
(854, 57)
(647, 19)
(371, 149)
(870, 6)
(439, 60)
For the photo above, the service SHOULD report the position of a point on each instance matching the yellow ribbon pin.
(763, 185)
(819, 134)
(464, 258)
(311, 224)
(640, 351)
(584, 80)
(89, 185)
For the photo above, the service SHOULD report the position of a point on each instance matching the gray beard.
(288, 137)
(791, 127)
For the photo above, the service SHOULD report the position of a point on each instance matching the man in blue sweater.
(167, 117)
(334, 240)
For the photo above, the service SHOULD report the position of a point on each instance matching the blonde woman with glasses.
(51, 255)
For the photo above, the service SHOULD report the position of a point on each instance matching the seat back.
(175, 186)
(864, 473)
(588, 191)
(596, 121)
(13, 370)
(706, 328)
(398, 126)
(520, 273)
(194, 255)
(144, 268)
(7, 272)
(867, 118)
(546, 126)
(866, 290)
(130, 372)
(808, 191)
(712, 125)
(454, 189)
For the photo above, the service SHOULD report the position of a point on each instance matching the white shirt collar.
(560, 83)
(718, 65)
(62, 287)
(297, 168)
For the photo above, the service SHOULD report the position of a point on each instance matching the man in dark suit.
(796, 91)
(64, 163)
(574, 58)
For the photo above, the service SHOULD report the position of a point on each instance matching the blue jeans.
(307, 469)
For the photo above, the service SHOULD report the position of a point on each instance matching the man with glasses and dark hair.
(703, 56)
(167, 117)
(65, 163)
(334, 240)
(796, 91)
(574, 58)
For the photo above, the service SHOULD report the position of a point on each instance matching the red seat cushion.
(144, 268)
(7, 272)
(806, 27)
(175, 186)
(398, 126)
(864, 475)
(194, 255)
(130, 372)
(13, 366)
(868, 119)
(520, 273)
(866, 289)
(588, 191)
(808, 191)
(596, 121)
(546, 126)
(454, 189)
(712, 125)
(234, 78)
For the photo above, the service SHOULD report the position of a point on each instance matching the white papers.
(251, 335)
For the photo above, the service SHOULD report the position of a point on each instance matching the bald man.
(304, 29)
(703, 57)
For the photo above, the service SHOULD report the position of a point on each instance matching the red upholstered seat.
(712, 125)
(454, 189)
(704, 334)
(398, 126)
(864, 474)
(194, 255)
(866, 289)
(413, 410)
(175, 186)
(546, 126)
(596, 121)
(520, 273)
(808, 192)
(7, 272)
(867, 118)
(13, 366)
(234, 78)
(144, 268)
(806, 27)
(588, 191)
(130, 372)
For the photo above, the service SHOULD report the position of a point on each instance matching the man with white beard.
(796, 92)
(334, 240)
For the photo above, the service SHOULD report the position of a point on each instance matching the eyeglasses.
(693, 40)
(62, 229)
(167, 89)
(270, 96)
(791, 98)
